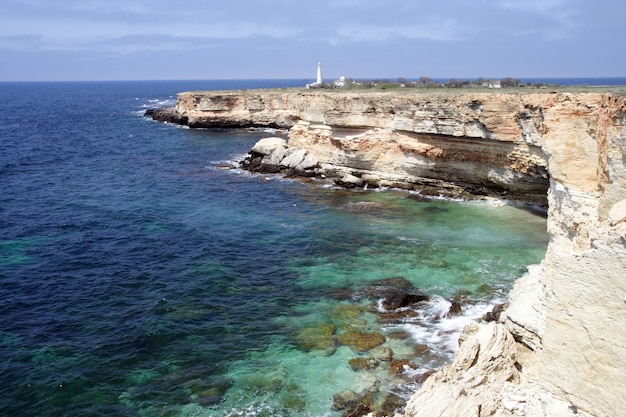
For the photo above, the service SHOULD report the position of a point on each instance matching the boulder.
(393, 299)
(455, 308)
(349, 181)
(395, 293)
(293, 158)
(268, 145)
(494, 314)
(309, 162)
(422, 377)
(276, 156)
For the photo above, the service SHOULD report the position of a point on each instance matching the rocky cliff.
(559, 348)
(481, 144)
(567, 354)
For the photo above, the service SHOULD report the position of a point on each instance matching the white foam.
(440, 332)
(157, 103)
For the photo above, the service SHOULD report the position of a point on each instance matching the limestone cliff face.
(484, 144)
(560, 346)
(568, 313)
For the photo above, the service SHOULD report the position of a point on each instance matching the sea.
(142, 273)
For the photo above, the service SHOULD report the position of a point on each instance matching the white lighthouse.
(319, 74)
(318, 81)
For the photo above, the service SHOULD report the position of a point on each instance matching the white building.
(341, 82)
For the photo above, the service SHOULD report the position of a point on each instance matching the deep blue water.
(140, 277)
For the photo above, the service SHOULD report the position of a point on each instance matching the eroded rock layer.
(559, 348)
(482, 144)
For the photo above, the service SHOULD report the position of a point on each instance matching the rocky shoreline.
(558, 348)
(394, 301)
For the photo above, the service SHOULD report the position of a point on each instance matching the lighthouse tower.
(318, 81)
(319, 74)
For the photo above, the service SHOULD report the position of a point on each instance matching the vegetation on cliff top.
(507, 84)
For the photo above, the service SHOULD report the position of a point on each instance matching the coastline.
(547, 330)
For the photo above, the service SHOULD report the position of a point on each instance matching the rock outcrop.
(559, 347)
(452, 144)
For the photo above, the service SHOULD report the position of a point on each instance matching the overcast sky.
(246, 39)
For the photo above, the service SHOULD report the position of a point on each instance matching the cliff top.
(618, 90)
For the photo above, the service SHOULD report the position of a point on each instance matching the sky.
(51, 40)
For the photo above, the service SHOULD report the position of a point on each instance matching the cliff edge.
(559, 348)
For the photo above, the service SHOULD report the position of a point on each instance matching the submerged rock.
(292, 397)
(392, 404)
(344, 399)
(317, 339)
(398, 335)
(345, 313)
(398, 366)
(421, 349)
(266, 379)
(363, 363)
(212, 392)
(361, 342)
(382, 353)
(397, 316)
(360, 410)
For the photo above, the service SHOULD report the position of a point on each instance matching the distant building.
(341, 82)
(495, 84)
(318, 82)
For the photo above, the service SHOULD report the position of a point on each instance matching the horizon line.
(311, 78)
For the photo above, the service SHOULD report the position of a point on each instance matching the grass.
(395, 88)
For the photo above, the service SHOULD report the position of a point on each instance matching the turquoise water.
(142, 274)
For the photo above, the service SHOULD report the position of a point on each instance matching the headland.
(558, 348)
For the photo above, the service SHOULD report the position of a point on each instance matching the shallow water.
(139, 277)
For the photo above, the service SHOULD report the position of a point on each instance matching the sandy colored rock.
(470, 385)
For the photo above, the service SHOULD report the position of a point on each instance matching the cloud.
(440, 38)
(536, 6)
(75, 24)
(553, 19)
(441, 30)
